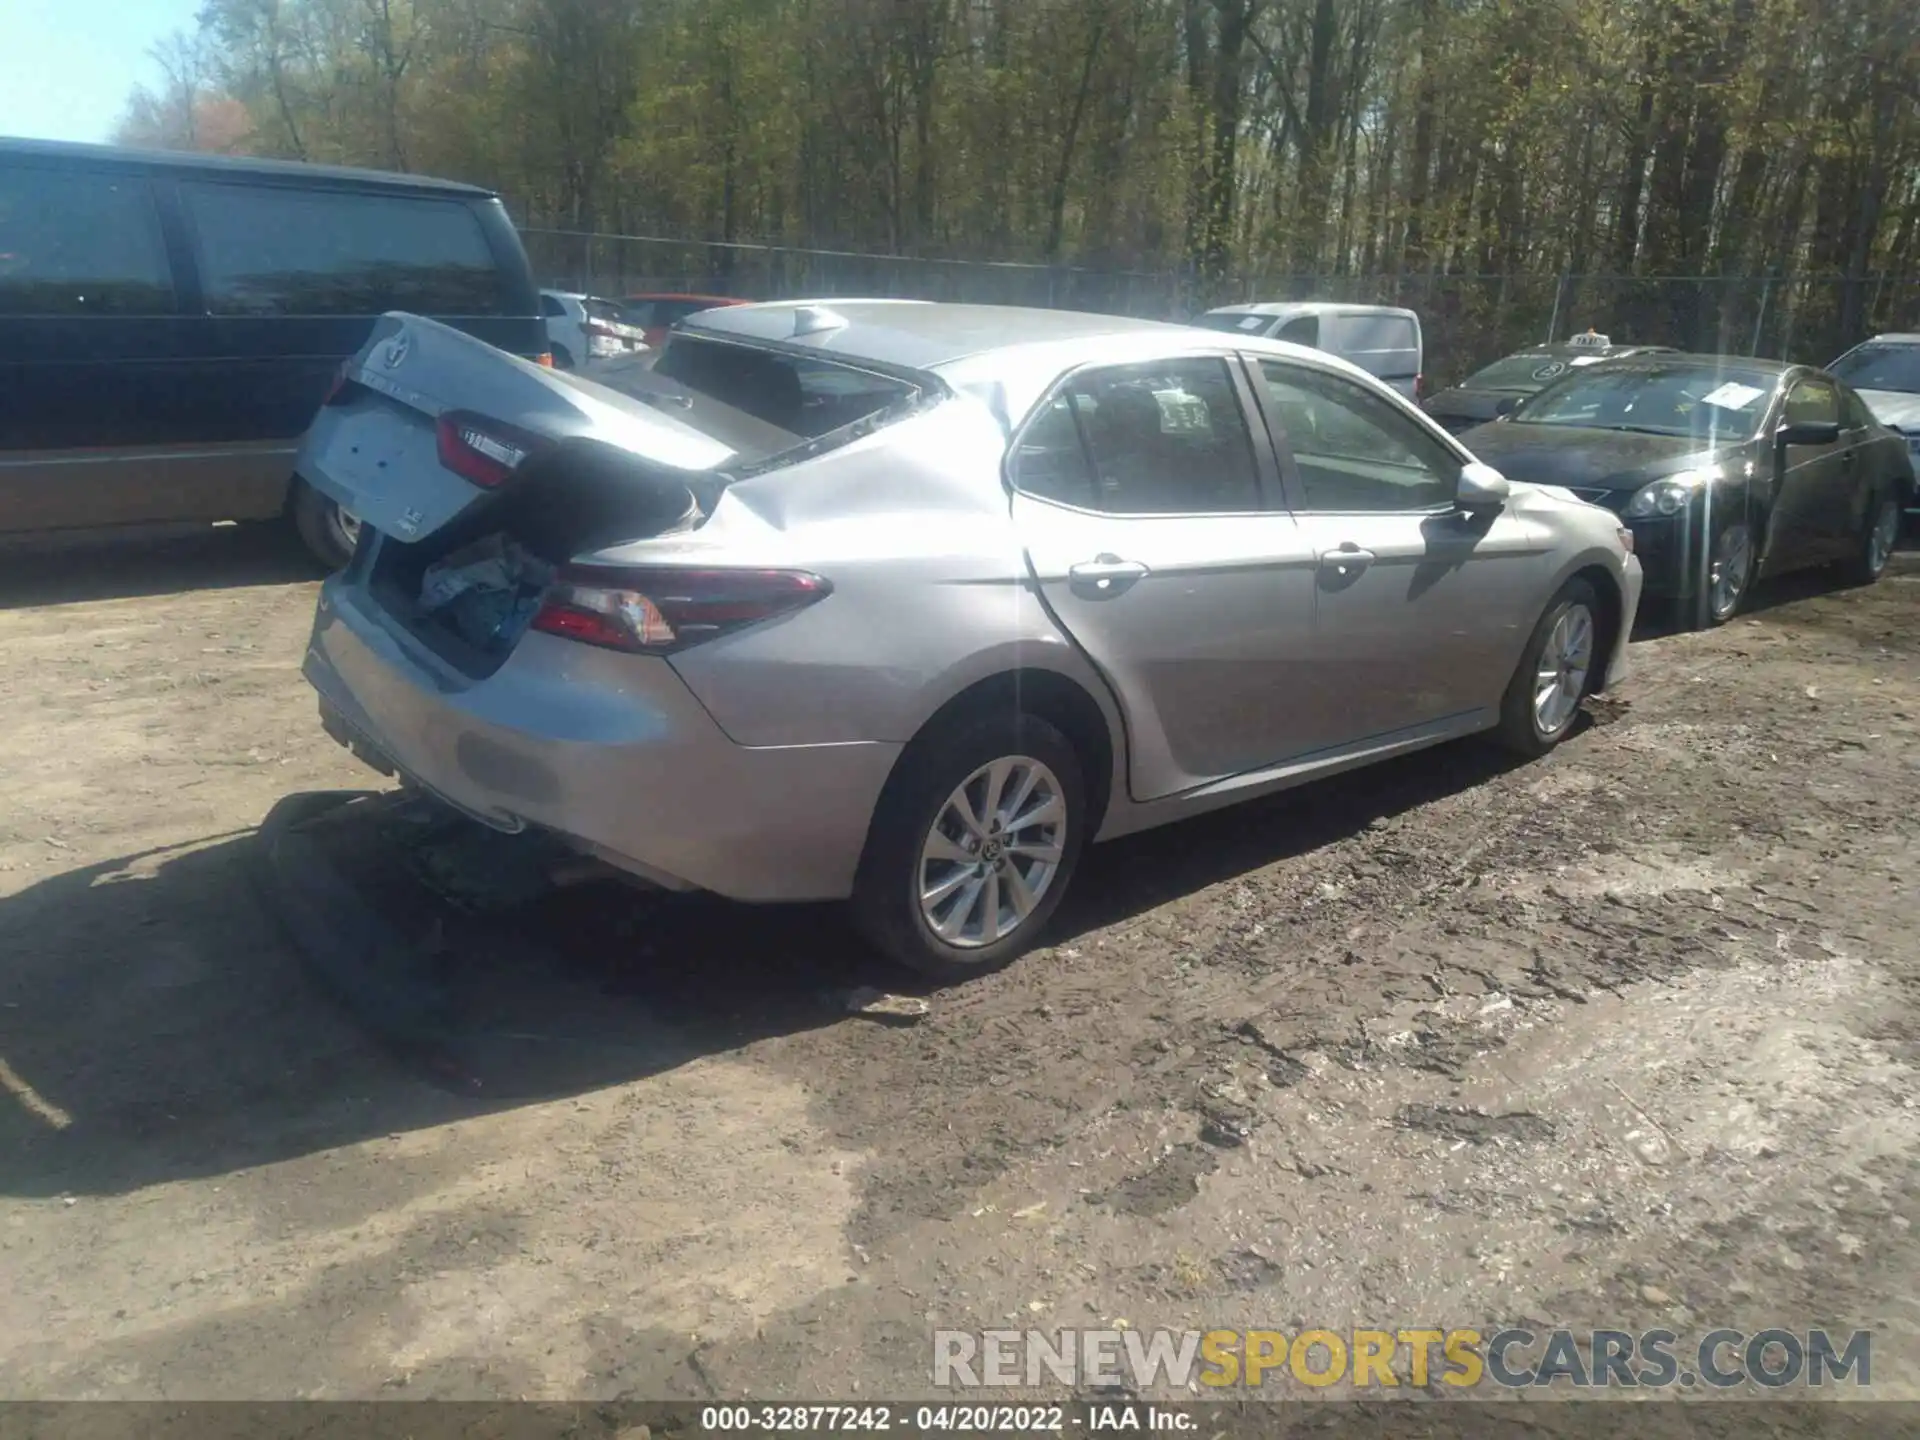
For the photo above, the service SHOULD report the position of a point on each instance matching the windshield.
(1524, 374)
(1668, 400)
(1880, 367)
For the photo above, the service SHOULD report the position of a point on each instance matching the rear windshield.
(1235, 321)
(804, 397)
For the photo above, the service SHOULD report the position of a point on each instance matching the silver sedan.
(907, 603)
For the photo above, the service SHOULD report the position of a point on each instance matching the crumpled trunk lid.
(374, 446)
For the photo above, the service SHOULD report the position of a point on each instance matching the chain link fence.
(1468, 320)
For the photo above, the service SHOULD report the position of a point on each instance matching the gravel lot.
(1623, 1037)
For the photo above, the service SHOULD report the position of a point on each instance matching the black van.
(169, 324)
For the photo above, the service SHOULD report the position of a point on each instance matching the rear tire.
(562, 358)
(329, 532)
(1877, 539)
(947, 852)
(1532, 720)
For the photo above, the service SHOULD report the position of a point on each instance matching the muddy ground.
(1624, 1037)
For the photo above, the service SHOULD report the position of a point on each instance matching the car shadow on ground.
(38, 571)
(157, 1024)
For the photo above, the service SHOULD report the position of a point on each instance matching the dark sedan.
(1488, 394)
(1726, 470)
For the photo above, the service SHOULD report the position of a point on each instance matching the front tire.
(1556, 671)
(1877, 539)
(329, 532)
(1730, 572)
(972, 846)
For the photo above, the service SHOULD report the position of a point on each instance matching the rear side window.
(269, 251)
(551, 307)
(80, 244)
(1164, 438)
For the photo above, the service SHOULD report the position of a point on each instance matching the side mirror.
(1482, 489)
(1808, 432)
(1505, 406)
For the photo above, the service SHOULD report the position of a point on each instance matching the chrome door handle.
(1106, 574)
(1347, 559)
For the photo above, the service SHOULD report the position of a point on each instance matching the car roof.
(227, 167)
(1649, 359)
(1894, 338)
(1309, 307)
(1569, 347)
(915, 334)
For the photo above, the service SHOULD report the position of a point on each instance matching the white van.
(1381, 339)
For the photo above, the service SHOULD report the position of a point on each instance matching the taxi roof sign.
(1592, 340)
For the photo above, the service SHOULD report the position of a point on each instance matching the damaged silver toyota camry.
(907, 603)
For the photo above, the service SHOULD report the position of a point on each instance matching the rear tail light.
(659, 609)
(481, 450)
(545, 357)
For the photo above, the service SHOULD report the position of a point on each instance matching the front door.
(1149, 510)
(1813, 510)
(1422, 609)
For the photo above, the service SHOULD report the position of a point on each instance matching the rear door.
(1384, 343)
(1421, 608)
(1148, 509)
(93, 413)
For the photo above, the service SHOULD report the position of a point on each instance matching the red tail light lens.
(659, 609)
(337, 387)
(481, 450)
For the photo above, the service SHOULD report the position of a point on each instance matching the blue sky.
(66, 65)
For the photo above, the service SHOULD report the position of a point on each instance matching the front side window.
(1167, 437)
(272, 251)
(80, 244)
(1355, 451)
(1812, 402)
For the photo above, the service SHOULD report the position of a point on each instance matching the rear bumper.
(611, 752)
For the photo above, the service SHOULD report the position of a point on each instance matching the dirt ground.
(1623, 1037)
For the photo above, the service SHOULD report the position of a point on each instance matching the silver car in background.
(906, 603)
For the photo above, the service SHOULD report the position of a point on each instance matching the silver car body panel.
(751, 764)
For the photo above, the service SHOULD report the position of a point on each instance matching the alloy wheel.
(1560, 678)
(1731, 568)
(993, 852)
(345, 527)
(1883, 537)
